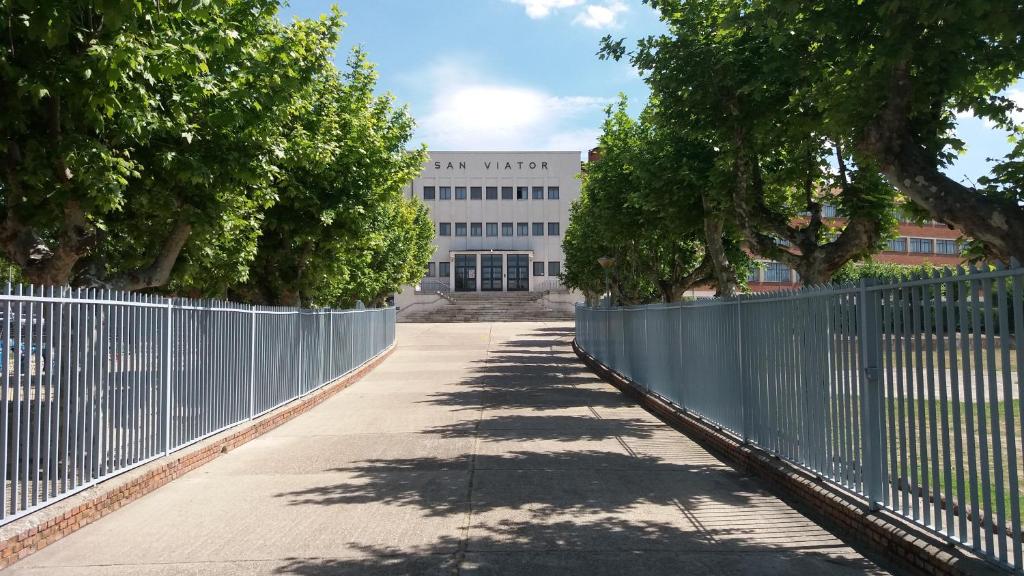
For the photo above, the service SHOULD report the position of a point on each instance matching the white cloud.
(537, 9)
(1017, 95)
(601, 15)
(582, 140)
(474, 113)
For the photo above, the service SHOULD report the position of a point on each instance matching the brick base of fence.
(899, 541)
(34, 532)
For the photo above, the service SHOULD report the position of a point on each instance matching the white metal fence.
(98, 382)
(907, 393)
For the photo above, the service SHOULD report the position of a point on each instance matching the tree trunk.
(998, 223)
(42, 263)
(722, 271)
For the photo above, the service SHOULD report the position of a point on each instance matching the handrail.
(439, 287)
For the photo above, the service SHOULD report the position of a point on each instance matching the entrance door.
(518, 272)
(490, 272)
(465, 272)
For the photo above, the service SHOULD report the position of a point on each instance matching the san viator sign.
(493, 165)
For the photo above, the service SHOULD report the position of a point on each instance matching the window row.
(924, 246)
(444, 269)
(489, 192)
(478, 229)
(832, 211)
(774, 272)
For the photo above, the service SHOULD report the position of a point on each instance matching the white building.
(499, 219)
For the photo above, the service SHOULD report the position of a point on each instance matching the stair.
(489, 307)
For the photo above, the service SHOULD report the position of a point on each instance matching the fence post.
(252, 364)
(741, 368)
(872, 402)
(167, 379)
(298, 343)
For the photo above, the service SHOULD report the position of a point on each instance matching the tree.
(658, 250)
(341, 229)
(769, 147)
(896, 75)
(136, 133)
(883, 80)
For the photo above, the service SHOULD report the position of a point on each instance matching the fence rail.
(907, 393)
(98, 382)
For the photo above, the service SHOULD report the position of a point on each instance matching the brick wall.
(902, 542)
(34, 532)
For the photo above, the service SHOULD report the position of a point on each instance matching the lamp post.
(607, 263)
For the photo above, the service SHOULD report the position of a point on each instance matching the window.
(444, 269)
(538, 228)
(428, 192)
(553, 229)
(460, 192)
(430, 269)
(896, 245)
(506, 192)
(492, 228)
(828, 211)
(538, 192)
(460, 228)
(777, 272)
(946, 247)
(492, 192)
(446, 192)
(476, 229)
(522, 229)
(921, 246)
(506, 228)
(522, 193)
(475, 193)
(554, 268)
(538, 268)
(552, 192)
(444, 229)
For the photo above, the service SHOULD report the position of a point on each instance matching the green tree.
(135, 132)
(768, 144)
(882, 81)
(341, 229)
(627, 211)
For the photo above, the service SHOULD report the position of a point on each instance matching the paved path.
(474, 449)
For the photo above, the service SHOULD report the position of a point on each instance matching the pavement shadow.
(408, 482)
(560, 511)
(547, 427)
(605, 547)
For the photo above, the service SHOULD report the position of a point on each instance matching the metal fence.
(907, 393)
(98, 382)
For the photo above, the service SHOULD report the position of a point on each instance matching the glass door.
(490, 272)
(465, 272)
(518, 272)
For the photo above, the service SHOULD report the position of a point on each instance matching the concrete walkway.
(474, 449)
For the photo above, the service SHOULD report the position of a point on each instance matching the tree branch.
(891, 143)
(159, 271)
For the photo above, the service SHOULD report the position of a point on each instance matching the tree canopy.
(850, 104)
(641, 205)
(181, 145)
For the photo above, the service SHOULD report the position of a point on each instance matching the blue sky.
(522, 74)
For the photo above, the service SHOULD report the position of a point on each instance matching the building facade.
(499, 219)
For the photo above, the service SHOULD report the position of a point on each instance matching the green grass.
(961, 457)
